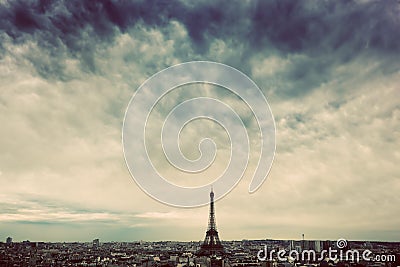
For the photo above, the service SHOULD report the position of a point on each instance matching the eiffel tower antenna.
(211, 245)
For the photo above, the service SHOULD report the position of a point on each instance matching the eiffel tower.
(212, 244)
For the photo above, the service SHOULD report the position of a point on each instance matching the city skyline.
(329, 69)
(179, 254)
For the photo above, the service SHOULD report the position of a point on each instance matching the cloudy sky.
(329, 69)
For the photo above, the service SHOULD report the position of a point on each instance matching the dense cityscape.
(181, 254)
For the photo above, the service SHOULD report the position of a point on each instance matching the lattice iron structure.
(211, 245)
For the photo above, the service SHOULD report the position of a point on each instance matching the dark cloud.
(329, 32)
(291, 25)
(305, 25)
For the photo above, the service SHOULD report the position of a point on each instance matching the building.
(317, 246)
(9, 240)
(96, 243)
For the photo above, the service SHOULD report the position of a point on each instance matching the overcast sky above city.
(329, 69)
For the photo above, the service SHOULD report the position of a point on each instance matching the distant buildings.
(9, 240)
(179, 254)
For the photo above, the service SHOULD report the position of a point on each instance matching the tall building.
(211, 245)
(317, 245)
(96, 243)
(292, 245)
(9, 240)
